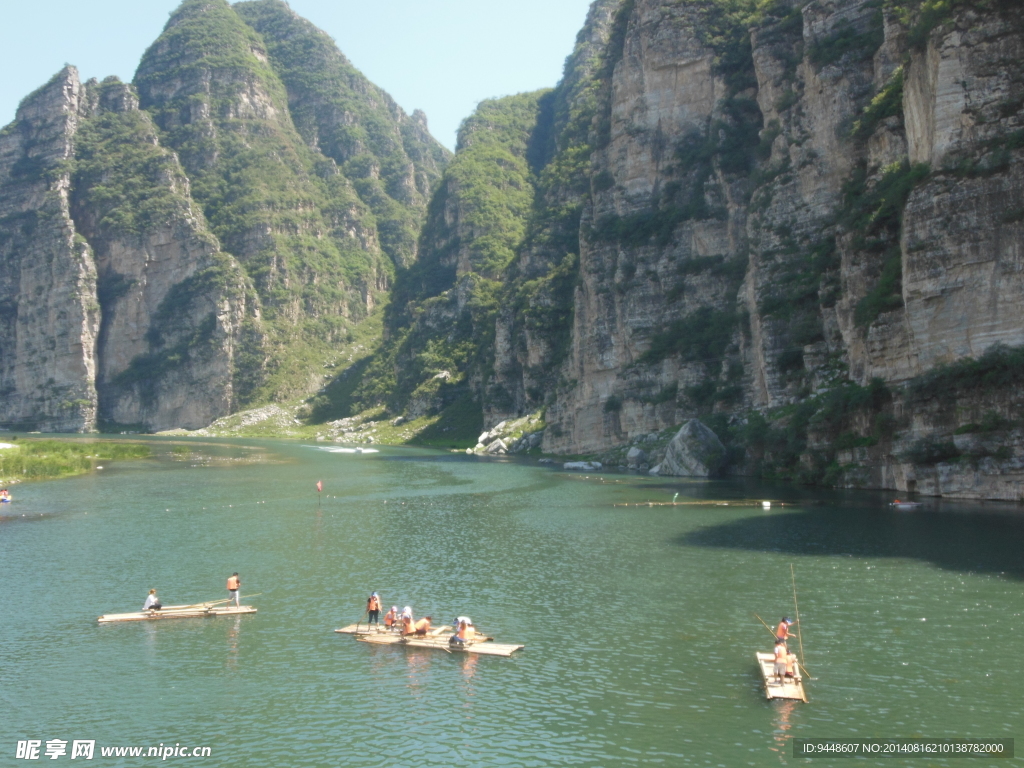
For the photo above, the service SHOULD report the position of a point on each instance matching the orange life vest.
(373, 604)
(407, 627)
(783, 630)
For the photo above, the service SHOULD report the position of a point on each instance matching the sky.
(441, 56)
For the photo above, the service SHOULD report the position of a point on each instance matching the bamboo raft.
(437, 638)
(789, 688)
(198, 611)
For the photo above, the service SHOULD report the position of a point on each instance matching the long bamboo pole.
(796, 607)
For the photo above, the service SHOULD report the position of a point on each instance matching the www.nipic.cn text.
(35, 749)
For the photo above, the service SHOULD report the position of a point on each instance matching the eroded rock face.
(109, 322)
(50, 317)
(874, 233)
(172, 304)
(120, 309)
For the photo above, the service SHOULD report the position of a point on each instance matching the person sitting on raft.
(791, 667)
(152, 602)
(391, 617)
(465, 631)
(422, 626)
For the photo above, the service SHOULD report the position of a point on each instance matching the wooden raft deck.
(438, 639)
(788, 689)
(178, 612)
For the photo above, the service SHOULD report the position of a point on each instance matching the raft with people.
(399, 629)
(194, 611)
(779, 686)
(781, 669)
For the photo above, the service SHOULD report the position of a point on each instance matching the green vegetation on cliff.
(391, 160)
(254, 176)
(441, 320)
(132, 184)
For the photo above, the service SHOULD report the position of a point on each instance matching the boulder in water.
(695, 451)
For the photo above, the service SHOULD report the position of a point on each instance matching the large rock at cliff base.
(695, 451)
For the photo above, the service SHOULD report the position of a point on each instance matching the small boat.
(437, 638)
(905, 506)
(789, 688)
(197, 611)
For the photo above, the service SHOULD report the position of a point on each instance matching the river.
(639, 621)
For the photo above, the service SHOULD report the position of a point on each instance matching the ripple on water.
(639, 621)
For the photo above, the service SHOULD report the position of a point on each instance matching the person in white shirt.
(152, 602)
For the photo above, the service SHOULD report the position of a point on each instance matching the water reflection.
(233, 632)
(781, 736)
(418, 668)
(980, 542)
(469, 662)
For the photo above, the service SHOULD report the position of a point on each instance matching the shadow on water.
(958, 538)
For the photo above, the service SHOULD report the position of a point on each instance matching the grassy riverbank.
(46, 459)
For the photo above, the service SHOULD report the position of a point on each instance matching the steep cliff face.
(775, 229)
(662, 237)
(102, 245)
(118, 200)
(173, 307)
(49, 318)
(791, 221)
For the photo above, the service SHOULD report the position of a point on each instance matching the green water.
(638, 620)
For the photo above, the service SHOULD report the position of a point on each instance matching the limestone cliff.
(173, 307)
(100, 236)
(798, 221)
(762, 236)
(50, 318)
(177, 248)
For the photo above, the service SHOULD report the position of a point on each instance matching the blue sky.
(441, 56)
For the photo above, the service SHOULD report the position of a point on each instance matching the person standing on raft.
(373, 610)
(234, 586)
(782, 631)
(781, 660)
(152, 602)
